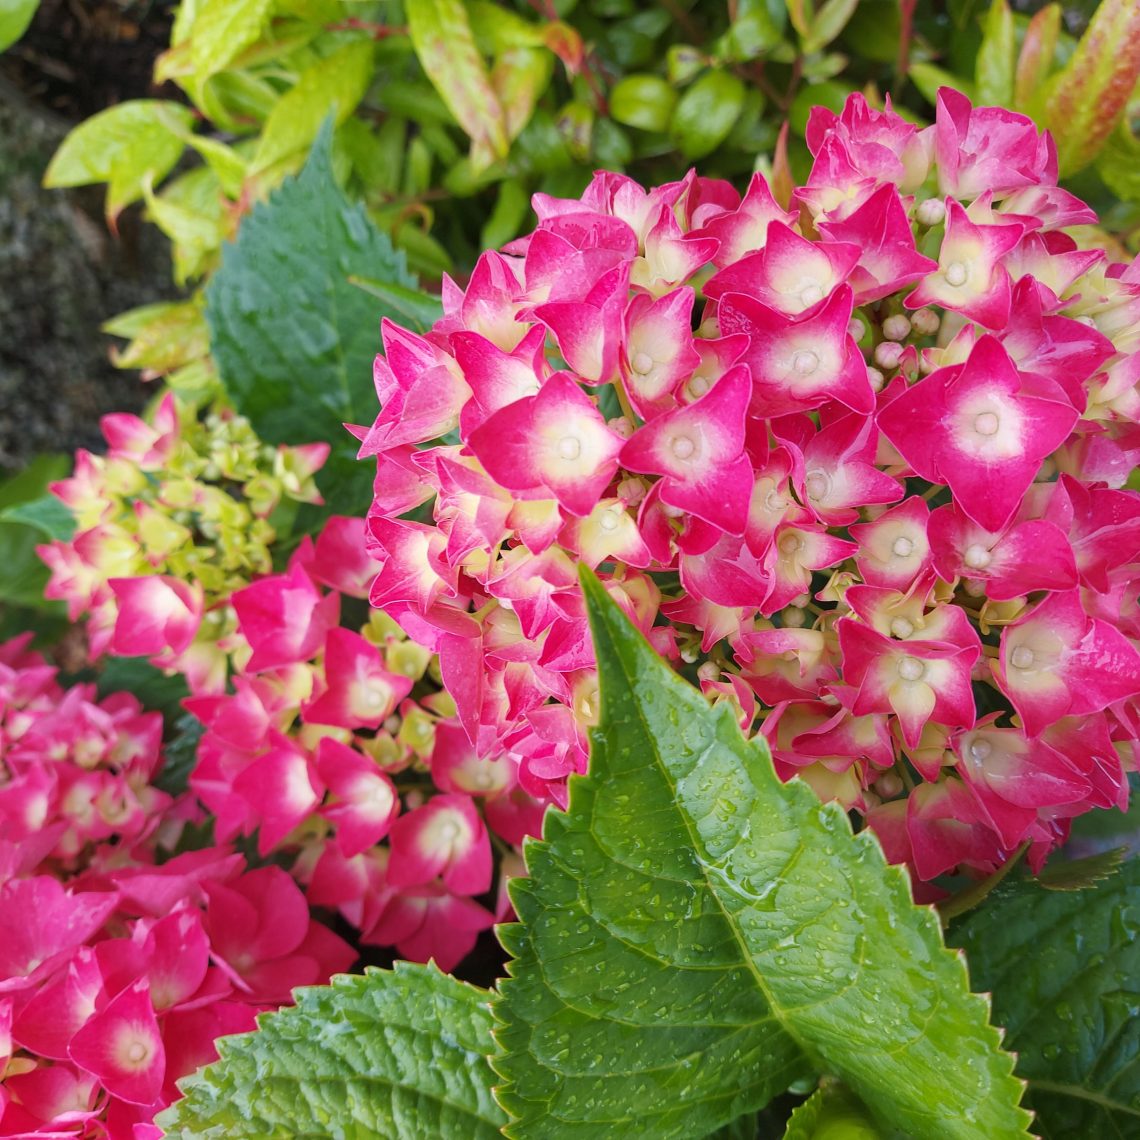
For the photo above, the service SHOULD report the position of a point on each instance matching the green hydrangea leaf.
(695, 935)
(831, 1113)
(390, 1055)
(1064, 970)
(293, 338)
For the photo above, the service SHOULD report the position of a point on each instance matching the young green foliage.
(396, 1054)
(1064, 968)
(696, 935)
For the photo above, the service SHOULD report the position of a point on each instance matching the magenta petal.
(121, 1045)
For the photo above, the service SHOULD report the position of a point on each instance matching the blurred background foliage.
(451, 113)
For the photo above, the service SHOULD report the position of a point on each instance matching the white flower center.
(448, 831)
(956, 274)
(986, 423)
(642, 363)
(901, 627)
(609, 519)
(683, 447)
(774, 501)
(698, 386)
(1022, 657)
(902, 547)
(977, 557)
(790, 543)
(374, 698)
(805, 363)
(911, 669)
(817, 484)
(811, 294)
(569, 447)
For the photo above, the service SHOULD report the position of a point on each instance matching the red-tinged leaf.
(781, 181)
(441, 34)
(1036, 58)
(1089, 96)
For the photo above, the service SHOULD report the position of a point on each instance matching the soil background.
(62, 273)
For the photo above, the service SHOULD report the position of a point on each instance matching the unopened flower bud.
(856, 329)
(876, 378)
(620, 426)
(931, 212)
(925, 322)
(888, 353)
(896, 327)
(708, 671)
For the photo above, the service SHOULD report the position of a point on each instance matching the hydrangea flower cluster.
(178, 514)
(858, 462)
(117, 970)
(337, 747)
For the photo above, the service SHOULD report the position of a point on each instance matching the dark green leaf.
(695, 935)
(1064, 969)
(46, 514)
(294, 339)
(180, 755)
(152, 686)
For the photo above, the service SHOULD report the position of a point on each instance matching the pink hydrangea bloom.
(860, 465)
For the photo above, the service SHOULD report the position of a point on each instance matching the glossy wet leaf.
(294, 339)
(396, 1055)
(695, 936)
(832, 1113)
(1064, 969)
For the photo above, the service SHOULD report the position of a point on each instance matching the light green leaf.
(222, 30)
(1064, 968)
(928, 77)
(122, 146)
(194, 231)
(519, 77)
(706, 113)
(392, 1055)
(441, 34)
(294, 340)
(163, 336)
(828, 22)
(25, 522)
(15, 16)
(994, 69)
(695, 936)
(831, 1113)
(1087, 99)
(334, 84)
(1119, 164)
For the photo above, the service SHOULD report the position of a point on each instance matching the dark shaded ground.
(61, 273)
